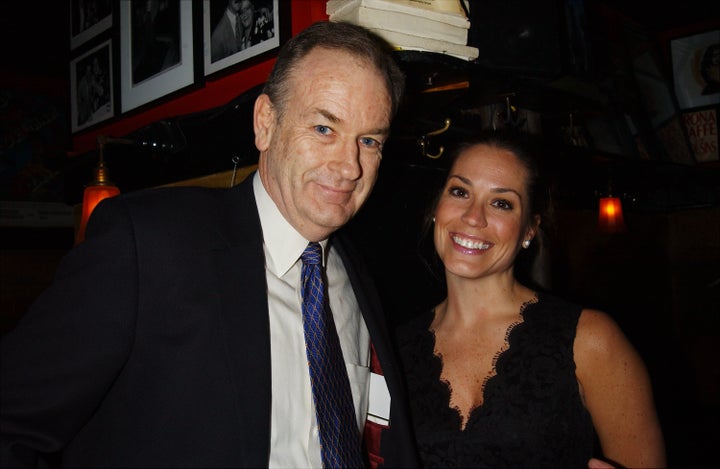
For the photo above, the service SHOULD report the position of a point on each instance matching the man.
(227, 35)
(173, 335)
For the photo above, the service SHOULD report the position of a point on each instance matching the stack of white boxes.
(439, 26)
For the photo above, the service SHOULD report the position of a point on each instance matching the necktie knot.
(311, 254)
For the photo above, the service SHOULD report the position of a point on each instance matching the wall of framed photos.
(130, 93)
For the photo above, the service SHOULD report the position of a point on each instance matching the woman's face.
(481, 217)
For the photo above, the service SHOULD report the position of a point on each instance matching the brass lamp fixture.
(100, 188)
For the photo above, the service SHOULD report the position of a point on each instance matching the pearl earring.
(433, 219)
(526, 243)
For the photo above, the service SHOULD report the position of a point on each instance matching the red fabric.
(372, 434)
(374, 361)
(373, 431)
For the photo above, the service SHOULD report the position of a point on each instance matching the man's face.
(319, 159)
(235, 5)
(246, 13)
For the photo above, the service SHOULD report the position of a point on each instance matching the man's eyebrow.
(335, 119)
(328, 115)
(385, 131)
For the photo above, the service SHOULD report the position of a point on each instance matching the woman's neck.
(470, 301)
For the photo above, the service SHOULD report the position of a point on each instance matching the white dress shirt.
(233, 17)
(294, 433)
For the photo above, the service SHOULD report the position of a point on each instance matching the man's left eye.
(369, 142)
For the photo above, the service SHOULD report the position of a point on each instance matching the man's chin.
(334, 221)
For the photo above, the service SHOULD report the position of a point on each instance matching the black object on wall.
(542, 38)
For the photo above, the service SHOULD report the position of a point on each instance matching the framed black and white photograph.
(696, 69)
(235, 31)
(88, 18)
(91, 87)
(156, 50)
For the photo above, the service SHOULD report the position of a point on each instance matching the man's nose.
(347, 160)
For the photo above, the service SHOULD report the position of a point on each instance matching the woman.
(247, 17)
(501, 375)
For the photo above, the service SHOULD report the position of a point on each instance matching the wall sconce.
(610, 215)
(100, 188)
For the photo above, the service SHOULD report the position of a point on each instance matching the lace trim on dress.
(493, 369)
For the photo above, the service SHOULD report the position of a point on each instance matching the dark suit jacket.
(222, 39)
(151, 348)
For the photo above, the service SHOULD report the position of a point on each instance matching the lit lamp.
(610, 216)
(97, 190)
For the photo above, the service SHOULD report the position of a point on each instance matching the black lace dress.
(532, 414)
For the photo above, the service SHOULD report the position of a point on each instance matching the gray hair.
(356, 40)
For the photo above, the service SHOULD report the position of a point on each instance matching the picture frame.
(92, 87)
(88, 19)
(696, 69)
(157, 55)
(220, 49)
(655, 91)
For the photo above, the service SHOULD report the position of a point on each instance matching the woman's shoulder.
(600, 342)
(595, 327)
(551, 300)
(552, 311)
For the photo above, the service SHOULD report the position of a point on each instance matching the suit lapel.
(365, 292)
(386, 445)
(242, 287)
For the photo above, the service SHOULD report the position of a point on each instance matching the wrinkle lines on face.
(322, 162)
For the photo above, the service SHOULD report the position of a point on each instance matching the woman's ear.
(264, 121)
(533, 228)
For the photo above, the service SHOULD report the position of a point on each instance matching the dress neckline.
(493, 370)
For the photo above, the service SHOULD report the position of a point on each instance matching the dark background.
(629, 273)
(35, 36)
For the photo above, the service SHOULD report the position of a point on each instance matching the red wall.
(214, 92)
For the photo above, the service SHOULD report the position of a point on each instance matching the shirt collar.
(232, 16)
(283, 244)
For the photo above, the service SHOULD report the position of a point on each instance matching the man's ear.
(264, 121)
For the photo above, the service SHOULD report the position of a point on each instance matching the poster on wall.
(91, 87)
(156, 50)
(702, 129)
(696, 69)
(238, 30)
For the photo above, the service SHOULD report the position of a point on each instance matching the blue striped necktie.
(339, 438)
